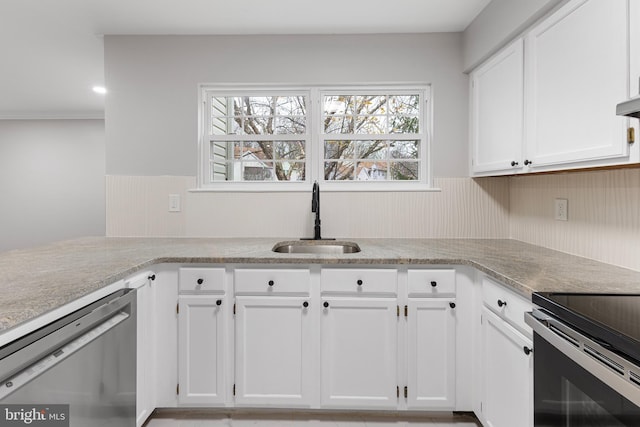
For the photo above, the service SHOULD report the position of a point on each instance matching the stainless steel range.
(587, 360)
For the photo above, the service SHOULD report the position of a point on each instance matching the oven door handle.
(610, 368)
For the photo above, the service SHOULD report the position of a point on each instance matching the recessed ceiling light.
(100, 89)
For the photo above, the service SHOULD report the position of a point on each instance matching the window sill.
(326, 187)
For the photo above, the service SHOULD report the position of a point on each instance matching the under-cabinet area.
(407, 338)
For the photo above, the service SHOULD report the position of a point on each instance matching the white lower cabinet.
(343, 338)
(145, 309)
(201, 332)
(507, 374)
(273, 351)
(359, 352)
(431, 354)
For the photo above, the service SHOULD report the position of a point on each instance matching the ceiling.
(52, 50)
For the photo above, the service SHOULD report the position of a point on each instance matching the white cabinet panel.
(145, 310)
(577, 71)
(431, 354)
(497, 90)
(359, 345)
(201, 349)
(273, 351)
(506, 304)
(359, 281)
(432, 282)
(271, 281)
(198, 279)
(507, 371)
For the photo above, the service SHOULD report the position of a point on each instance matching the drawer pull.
(452, 304)
(219, 302)
(152, 277)
(326, 304)
(271, 283)
(501, 303)
(527, 350)
(359, 282)
(434, 283)
(305, 304)
(200, 281)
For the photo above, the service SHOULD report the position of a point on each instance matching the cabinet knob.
(325, 304)
(514, 163)
(528, 162)
(305, 304)
(271, 283)
(219, 302)
(359, 282)
(527, 350)
(152, 277)
(434, 283)
(452, 304)
(200, 281)
(501, 303)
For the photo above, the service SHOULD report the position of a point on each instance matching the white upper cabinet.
(548, 101)
(577, 71)
(497, 112)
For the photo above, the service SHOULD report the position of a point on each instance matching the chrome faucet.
(315, 207)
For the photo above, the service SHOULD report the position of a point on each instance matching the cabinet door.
(273, 351)
(577, 71)
(201, 350)
(507, 399)
(497, 112)
(431, 354)
(359, 341)
(145, 386)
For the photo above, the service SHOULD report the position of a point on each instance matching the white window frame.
(314, 138)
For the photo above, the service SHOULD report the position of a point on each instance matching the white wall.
(151, 132)
(51, 181)
(151, 109)
(498, 24)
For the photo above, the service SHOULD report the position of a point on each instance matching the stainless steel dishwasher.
(86, 360)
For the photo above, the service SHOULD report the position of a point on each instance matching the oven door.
(578, 382)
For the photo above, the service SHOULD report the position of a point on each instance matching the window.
(364, 138)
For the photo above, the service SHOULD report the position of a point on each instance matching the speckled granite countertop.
(35, 281)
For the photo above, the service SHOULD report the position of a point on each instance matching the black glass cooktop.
(613, 320)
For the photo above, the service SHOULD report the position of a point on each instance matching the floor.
(310, 420)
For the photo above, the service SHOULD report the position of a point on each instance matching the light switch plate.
(562, 210)
(174, 203)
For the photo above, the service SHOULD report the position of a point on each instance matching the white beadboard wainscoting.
(603, 208)
(463, 208)
(604, 212)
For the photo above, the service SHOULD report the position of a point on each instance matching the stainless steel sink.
(332, 247)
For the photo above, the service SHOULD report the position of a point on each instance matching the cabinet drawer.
(506, 304)
(432, 282)
(199, 279)
(268, 281)
(361, 281)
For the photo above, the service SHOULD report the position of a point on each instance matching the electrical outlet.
(174, 203)
(562, 210)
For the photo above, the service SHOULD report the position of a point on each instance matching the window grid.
(394, 122)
